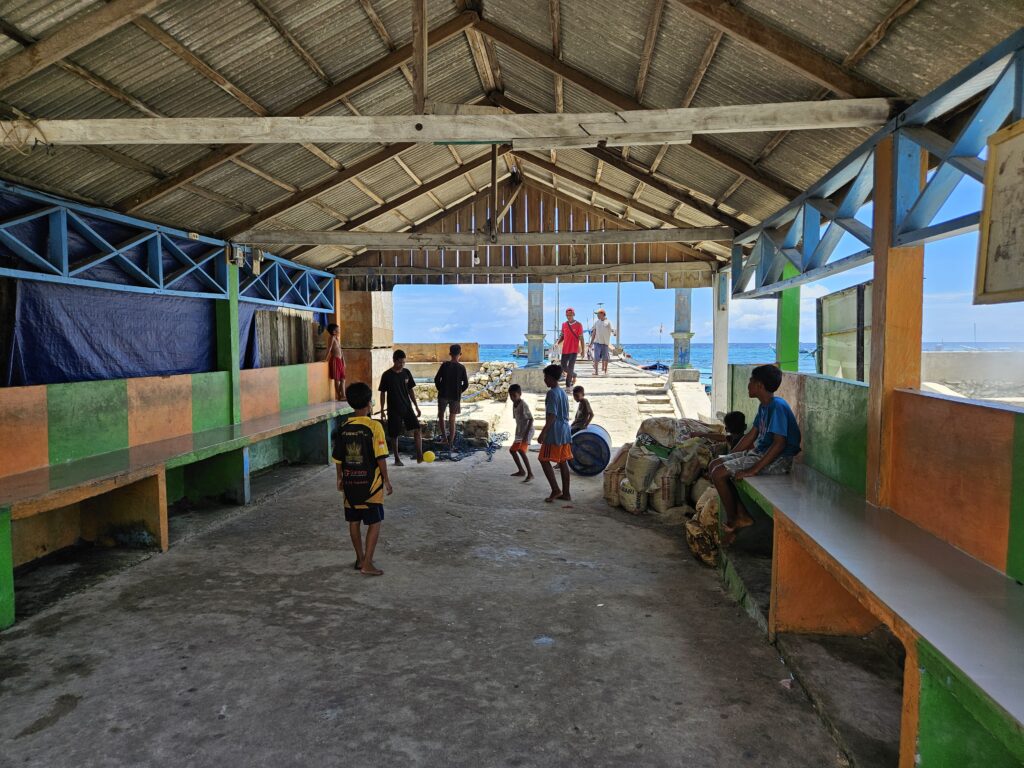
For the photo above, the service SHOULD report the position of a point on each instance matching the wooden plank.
(419, 55)
(71, 37)
(647, 54)
(292, 41)
(466, 268)
(782, 48)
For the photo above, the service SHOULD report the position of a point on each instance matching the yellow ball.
(428, 456)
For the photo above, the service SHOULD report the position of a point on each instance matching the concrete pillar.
(720, 288)
(787, 324)
(228, 342)
(681, 335)
(535, 325)
(6, 570)
(367, 321)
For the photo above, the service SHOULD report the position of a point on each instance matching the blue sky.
(496, 314)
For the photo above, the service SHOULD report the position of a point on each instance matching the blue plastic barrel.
(591, 451)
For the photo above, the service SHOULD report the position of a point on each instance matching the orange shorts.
(520, 447)
(555, 453)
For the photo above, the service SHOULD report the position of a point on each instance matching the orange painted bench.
(120, 497)
(841, 566)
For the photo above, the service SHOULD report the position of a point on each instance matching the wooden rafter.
(647, 54)
(622, 101)
(877, 34)
(782, 48)
(70, 37)
(420, 45)
(540, 270)
(692, 88)
(316, 103)
(293, 43)
(382, 32)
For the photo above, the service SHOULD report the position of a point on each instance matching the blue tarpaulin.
(68, 333)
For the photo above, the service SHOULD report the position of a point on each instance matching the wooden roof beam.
(602, 90)
(293, 43)
(316, 103)
(420, 45)
(783, 48)
(71, 37)
(646, 56)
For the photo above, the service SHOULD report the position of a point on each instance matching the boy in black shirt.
(397, 396)
(451, 381)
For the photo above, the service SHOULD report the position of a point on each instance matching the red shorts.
(520, 447)
(337, 368)
(555, 453)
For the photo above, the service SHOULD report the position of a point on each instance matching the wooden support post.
(133, 514)
(492, 214)
(228, 342)
(6, 570)
(419, 55)
(896, 301)
(787, 324)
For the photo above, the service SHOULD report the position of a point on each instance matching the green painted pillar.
(6, 570)
(787, 324)
(228, 341)
(1015, 549)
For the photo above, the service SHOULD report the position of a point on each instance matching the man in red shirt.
(571, 339)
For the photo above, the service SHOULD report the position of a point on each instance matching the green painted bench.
(121, 496)
(842, 566)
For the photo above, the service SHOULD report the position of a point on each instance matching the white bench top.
(970, 612)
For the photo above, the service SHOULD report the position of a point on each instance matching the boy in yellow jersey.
(360, 454)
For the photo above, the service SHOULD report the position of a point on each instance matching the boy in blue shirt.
(767, 449)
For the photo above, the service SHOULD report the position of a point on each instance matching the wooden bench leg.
(309, 445)
(6, 570)
(807, 598)
(134, 514)
(223, 476)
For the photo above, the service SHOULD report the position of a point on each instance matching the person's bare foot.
(357, 566)
(520, 473)
(371, 571)
(399, 462)
(565, 497)
(554, 495)
(528, 478)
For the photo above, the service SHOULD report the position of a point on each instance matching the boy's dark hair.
(769, 375)
(399, 354)
(332, 327)
(577, 389)
(359, 395)
(515, 388)
(455, 349)
(735, 422)
(553, 371)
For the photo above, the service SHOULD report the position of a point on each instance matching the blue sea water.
(700, 355)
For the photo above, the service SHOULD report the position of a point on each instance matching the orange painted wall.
(952, 471)
(23, 429)
(159, 407)
(260, 393)
(320, 387)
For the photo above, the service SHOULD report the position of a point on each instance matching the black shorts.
(398, 424)
(569, 365)
(373, 513)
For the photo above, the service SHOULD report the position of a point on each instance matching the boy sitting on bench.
(767, 449)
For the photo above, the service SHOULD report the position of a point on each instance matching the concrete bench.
(841, 566)
(121, 496)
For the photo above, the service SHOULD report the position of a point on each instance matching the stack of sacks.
(613, 475)
(702, 530)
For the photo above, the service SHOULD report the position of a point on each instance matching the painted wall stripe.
(1015, 550)
(86, 418)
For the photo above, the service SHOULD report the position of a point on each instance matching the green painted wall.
(6, 570)
(211, 400)
(958, 724)
(175, 484)
(739, 375)
(833, 417)
(86, 418)
(293, 381)
(266, 453)
(1015, 550)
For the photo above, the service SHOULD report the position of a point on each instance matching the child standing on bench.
(767, 449)
(336, 362)
(360, 454)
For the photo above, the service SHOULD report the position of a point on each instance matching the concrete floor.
(506, 631)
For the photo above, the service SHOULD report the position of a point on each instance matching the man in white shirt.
(601, 339)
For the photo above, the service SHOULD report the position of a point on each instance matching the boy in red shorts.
(556, 437)
(524, 432)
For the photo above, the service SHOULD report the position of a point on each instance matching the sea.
(739, 353)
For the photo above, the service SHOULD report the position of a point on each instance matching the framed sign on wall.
(1000, 273)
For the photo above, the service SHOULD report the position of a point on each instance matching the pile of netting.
(461, 448)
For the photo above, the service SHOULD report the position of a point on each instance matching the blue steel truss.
(284, 283)
(44, 237)
(806, 232)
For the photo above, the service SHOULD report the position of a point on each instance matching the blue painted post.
(535, 325)
(681, 335)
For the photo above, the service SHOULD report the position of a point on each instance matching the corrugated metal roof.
(601, 37)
